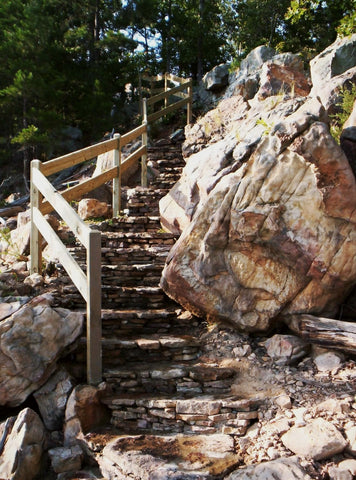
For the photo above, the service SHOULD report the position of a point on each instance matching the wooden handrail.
(74, 158)
(45, 198)
(86, 284)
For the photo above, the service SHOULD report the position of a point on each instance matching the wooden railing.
(167, 92)
(45, 199)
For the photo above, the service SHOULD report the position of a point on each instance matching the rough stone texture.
(348, 139)
(245, 80)
(317, 440)
(66, 459)
(328, 361)
(174, 457)
(286, 349)
(92, 208)
(333, 61)
(20, 237)
(252, 251)
(83, 412)
(332, 69)
(280, 79)
(234, 129)
(21, 456)
(279, 469)
(32, 340)
(52, 399)
(217, 78)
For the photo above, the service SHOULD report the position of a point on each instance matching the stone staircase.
(158, 381)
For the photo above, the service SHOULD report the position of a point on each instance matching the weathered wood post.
(94, 356)
(116, 185)
(35, 236)
(190, 103)
(165, 89)
(144, 143)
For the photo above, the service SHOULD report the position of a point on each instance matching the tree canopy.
(67, 63)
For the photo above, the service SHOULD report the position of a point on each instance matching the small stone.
(286, 349)
(92, 208)
(283, 401)
(348, 465)
(327, 362)
(279, 469)
(66, 459)
(351, 437)
(318, 440)
(34, 280)
(200, 407)
(168, 374)
(299, 414)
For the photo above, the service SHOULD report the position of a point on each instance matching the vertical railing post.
(144, 143)
(140, 92)
(165, 89)
(35, 236)
(94, 358)
(190, 103)
(116, 187)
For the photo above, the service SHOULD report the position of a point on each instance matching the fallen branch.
(326, 332)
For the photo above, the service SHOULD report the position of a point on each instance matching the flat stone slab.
(150, 457)
(280, 469)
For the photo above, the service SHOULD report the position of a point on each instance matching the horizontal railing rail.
(45, 199)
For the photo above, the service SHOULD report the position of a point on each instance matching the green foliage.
(30, 136)
(347, 25)
(68, 63)
(348, 97)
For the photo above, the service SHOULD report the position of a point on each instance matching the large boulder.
(32, 340)
(217, 78)
(348, 138)
(23, 441)
(270, 235)
(333, 69)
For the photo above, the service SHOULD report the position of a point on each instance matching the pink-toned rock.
(279, 79)
(84, 411)
(92, 208)
(275, 236)
(286, 349)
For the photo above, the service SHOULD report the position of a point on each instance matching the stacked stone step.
(157, 381)
(151, 347)
(167, 159)
(186, 378)
(171, 414)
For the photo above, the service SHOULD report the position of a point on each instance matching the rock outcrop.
(32, 340)
(267, 211)
(23, 442)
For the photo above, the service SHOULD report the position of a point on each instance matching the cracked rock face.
(31, 341)
(275, 236)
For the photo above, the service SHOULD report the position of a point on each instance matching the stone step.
(131, 274)
(119, 323)
(203, 414)
(133, 224)
(183, 378)
(147, 349)
(133, 297)
(137, 257)
(119, 297)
